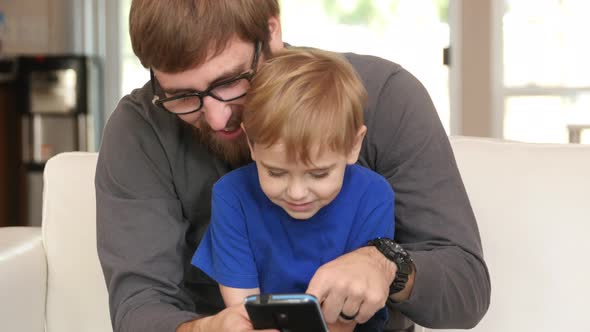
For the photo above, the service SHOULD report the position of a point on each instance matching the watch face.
(394, 252)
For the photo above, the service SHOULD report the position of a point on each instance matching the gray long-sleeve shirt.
(153, 193)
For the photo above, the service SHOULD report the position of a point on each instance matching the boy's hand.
(354, 283)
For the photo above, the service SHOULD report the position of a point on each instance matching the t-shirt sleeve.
(376, 210)
(224, 252)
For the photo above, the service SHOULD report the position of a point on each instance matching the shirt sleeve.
(225, 253)
(407, 144)
(140, 228)
(375, 214)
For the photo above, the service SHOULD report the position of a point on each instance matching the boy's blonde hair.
(304, 98)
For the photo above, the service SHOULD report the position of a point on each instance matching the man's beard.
(235, 152)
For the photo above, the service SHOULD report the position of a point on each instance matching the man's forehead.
(231, 53)
(233, 60)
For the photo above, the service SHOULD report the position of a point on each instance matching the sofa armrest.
(23, 279)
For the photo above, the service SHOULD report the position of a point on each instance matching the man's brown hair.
(176, 35)
(302, 98)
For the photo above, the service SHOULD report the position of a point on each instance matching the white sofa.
(531, 201)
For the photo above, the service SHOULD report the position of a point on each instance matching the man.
(168, 142)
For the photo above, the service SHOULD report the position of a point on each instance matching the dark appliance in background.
(10, 173)
(58, 101)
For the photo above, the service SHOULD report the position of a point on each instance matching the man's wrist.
(405, 293)
(403, 275)
(197, 325)
(388, 267)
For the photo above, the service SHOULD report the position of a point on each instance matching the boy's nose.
(217, 113)
(296, 190)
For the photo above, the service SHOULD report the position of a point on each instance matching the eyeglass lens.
(226, 92)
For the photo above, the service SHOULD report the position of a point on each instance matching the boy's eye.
(319, 175)
(275, 174)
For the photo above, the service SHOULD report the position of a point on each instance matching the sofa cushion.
(76, 292)
(532, 203)
(23, 279)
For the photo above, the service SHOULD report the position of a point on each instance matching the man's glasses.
(192, 101)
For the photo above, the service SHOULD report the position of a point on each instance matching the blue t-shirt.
(253, 243)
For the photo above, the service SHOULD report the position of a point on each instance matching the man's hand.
(357, 282)
(340, 326)
(234, 318)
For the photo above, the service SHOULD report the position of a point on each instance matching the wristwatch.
(395, 253)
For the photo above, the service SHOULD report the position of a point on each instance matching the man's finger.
(351, 308)
(316, 287)
(332, 305)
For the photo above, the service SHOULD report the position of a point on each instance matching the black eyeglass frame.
(201, 94)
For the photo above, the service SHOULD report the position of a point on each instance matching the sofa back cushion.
(532, 203)
(76, 292)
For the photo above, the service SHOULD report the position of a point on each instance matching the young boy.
(303, 202)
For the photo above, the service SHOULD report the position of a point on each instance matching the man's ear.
(353, 156)
(276, 38)
(248, 141)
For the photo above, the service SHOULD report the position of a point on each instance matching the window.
(134, 75)
(412, 33)
(546, 84)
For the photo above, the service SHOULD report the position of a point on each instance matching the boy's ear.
(353, 156)
(248, 141)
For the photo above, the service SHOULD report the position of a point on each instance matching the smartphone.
(286, 312)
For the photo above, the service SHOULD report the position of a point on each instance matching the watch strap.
(395, 253)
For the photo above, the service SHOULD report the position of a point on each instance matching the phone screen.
(286, 312)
